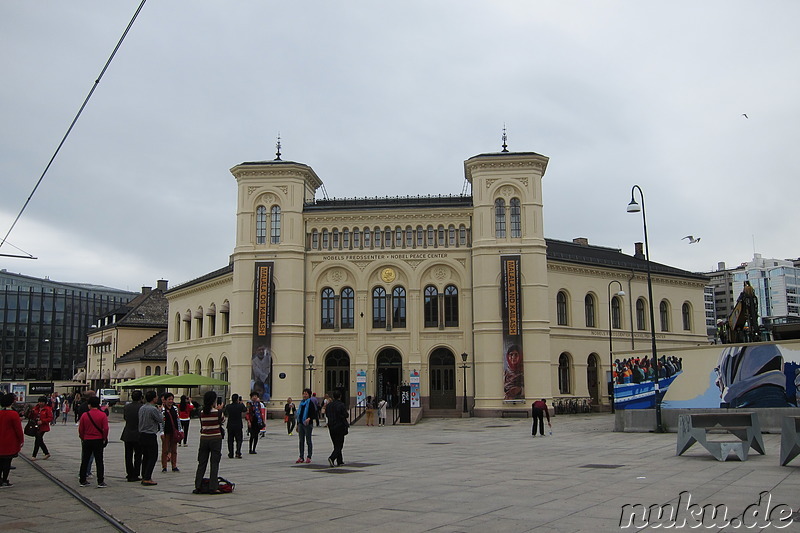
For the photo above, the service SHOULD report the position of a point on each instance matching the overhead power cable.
(69, 130)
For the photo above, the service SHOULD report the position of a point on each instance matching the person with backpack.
(210, 448)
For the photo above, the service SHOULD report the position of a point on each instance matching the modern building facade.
(461, 297)
(45, 323)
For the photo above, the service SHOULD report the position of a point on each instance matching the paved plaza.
(441, 475)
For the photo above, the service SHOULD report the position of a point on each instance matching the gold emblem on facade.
(388, 275)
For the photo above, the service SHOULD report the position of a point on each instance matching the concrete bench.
(790, 439)
(741, 425)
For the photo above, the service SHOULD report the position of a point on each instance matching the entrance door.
(443, 379)
(337, 374)
(592, 378)
(389, 372)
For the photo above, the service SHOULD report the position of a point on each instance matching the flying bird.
(745, 115)
(691, 238)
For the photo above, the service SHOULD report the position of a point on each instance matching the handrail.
(359, 412)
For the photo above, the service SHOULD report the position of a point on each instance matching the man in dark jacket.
(233, 414)
(130, 436)
(338, 426)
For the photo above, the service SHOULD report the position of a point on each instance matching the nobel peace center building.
(461, 298)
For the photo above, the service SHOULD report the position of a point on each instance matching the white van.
(110, 396)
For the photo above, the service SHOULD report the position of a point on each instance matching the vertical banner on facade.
(361, 387)
(513, 375)
(413, 381)
(261, 362)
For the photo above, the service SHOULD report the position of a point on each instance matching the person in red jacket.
(93, 431)
(11, 436)
(43, 414)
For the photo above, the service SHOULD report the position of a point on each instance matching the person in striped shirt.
(210, 444)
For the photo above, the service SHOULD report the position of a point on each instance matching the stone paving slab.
(441, 475)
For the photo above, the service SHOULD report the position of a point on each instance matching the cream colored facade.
(327, 253)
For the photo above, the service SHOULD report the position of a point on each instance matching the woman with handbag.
(11, 438)
(93, 431)
(289, 410)
(42, 415)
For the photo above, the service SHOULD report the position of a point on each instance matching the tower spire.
(278, 147)
(505, 139)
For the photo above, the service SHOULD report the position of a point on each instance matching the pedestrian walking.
(130, 436)
(151, 423)
(43, 415)
(65, 412)
(370, 411)
(289, 411)
(539, 409)
(11, 436)
(173, 432)
(338, 427)
(93, 432)
(306, 414)
(234, 412)
(210, 448)
(255, 420)
(185, 408)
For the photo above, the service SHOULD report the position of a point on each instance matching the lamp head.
(621, 293)
(633, 207)
(464, 357)
(310, 359)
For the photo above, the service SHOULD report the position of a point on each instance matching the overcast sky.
(389, 98)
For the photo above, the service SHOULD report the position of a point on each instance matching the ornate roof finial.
(278, 146)
(505, 139)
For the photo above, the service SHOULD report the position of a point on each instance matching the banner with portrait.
(513, 374)
(261, 360)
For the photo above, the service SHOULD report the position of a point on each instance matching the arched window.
(686, 313)
(326, 242)
(225, 317)
(356, 238)
(261, 225)
(409, 237)
(186, 367)
(158, 370)
(420, 237)
(450, 306)
(398, 237)
(346, 238)
(431, 236)
(148, 371)
(378, 240)
(367, 238)
(516, 218)
(177, 335)
(499, 218)
(328, 308)
(431, 307)
(589, 307)
(314, 239)
(561, 308)
(616, 315)
(663, 309)
(198, 322)
(348, 308)
(335, 238)
(387, 237)
(640, 315)
(398, 307)
(378, 307)
(563, 374)
(440, 233)
(275, 225)
(462, 235)
(451, 236)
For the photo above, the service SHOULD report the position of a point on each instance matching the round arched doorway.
(337, 374)
(388, 375)
(443, 379)
(593, 378)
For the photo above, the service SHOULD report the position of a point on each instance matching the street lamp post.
(610, 339)
(310, 359)
(465, 366)
(633, 207)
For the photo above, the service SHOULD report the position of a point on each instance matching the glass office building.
(44, 325)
